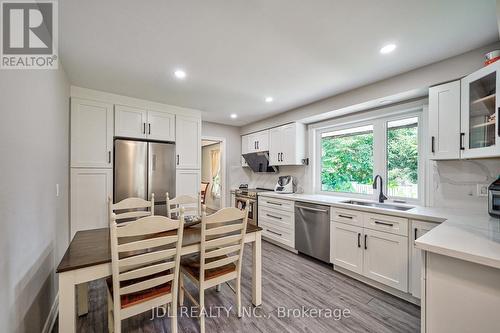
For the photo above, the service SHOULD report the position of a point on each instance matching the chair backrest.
(222, 235)
(191, 205)
(131, 208)
(147, 249)
(203, 191)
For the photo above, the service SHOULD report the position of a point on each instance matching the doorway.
(213, 173)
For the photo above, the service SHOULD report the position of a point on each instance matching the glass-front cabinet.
(480, 135)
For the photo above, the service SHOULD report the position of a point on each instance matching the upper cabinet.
(91, 134)
(188, 142)
(287, 144)
(463, 116)
(444, 121)
(480, 132)
(255, 142)
(131, 122)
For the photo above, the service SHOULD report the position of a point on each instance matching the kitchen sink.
(377, 204)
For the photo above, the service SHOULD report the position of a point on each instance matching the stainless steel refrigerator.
(142, 168)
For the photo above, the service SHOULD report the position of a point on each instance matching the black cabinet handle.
(109, 156)
(415, 233)
(359, 239)
(345, 216)
(177, 159)
(366, 245)
(273, 232)
(433, 139)
(384, 223)
(274, 217)
(143, 128)
(149, 128)
(257, 144)
(462, 135)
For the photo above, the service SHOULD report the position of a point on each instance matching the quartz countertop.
(470, 235)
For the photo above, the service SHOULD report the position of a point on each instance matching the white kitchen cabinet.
(346, 246)
(91, 134)
(418, 229)
(137, 123)
(161, 126)
(276, 217)
(90, 190)
(130, 122)
(444, 121)
(188, 142)
(385, 258)
(244, 145)
(187, 182)
(479, 113)
(256, 142)
(287, 144)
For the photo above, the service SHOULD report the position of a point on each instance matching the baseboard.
(51, 318)
(272, 241)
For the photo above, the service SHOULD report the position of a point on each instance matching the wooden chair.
(131, 208)
(203, 192)
(222, 243)
(145, 263)
(191, 205)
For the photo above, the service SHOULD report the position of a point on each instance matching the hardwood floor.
(289, 282)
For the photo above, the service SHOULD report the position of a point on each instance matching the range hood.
(259, 162)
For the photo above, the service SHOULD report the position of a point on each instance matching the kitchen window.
(351, 154)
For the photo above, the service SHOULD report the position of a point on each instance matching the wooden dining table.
(88, 258)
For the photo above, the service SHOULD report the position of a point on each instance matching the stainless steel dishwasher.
(312, 230)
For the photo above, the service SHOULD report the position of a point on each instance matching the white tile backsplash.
(269, 180)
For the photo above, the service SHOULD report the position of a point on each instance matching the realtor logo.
(29, 35)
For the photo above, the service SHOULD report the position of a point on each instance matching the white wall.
(231, 134)
(34, 150)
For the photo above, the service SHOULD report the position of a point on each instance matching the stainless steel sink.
(377, 204)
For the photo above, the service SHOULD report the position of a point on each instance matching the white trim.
(222, 142)
(51, 318)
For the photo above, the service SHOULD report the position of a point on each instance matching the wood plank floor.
(289, 282)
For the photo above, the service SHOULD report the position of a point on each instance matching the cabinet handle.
(433, 139)
(274, 217)
(143, 128)
(149, 128)
(359, 239)
(384, 223)
(273, 203)
(462, 135)
(257, 144)
(276, 233)
(415, 233)
(109, 156)
(345, 217)
(366, 245)
(281, 157)
(177, 159)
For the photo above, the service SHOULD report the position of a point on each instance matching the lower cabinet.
(187, 182)
(385, 258)
(346, 249)
(418, 228)
(90, 190)
(276, 217)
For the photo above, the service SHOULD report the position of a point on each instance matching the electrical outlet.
(482, 190)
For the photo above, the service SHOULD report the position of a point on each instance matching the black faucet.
(381, 196)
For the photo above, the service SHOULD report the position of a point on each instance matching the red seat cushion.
(192, 266)
(141, 296)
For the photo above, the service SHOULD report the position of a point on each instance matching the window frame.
(379, 152)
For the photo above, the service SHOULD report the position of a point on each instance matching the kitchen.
(353, 172)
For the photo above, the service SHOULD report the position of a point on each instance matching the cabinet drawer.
(277, 233)
(347, 216)
(392, 224)
(286, 205)
(279, 217)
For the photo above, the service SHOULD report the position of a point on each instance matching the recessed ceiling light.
(269, 99)
(233, 116)
(388, 48)
(180, 74)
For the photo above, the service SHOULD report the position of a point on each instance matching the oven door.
(241, 202)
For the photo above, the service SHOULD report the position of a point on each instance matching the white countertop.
(469, 235)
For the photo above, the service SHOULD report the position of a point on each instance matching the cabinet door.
(188, 182)
(444, 121)
(91, 134)
(479, 113)
(275, 145)
(385, 258)
(161, 126)
(262, 140)
(90, 190)
(245, 148)
(418, 229)
(251, 142)
(188, 142)
(346, 246)
(130, 122)
(289, 147)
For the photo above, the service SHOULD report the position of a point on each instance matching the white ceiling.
(238, 52)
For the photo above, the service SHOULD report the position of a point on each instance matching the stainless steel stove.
(244, 194)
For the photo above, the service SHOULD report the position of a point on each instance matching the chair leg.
(202, 310)
(173, 317)
(110, 314)
(181, 289)
(238, 296)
